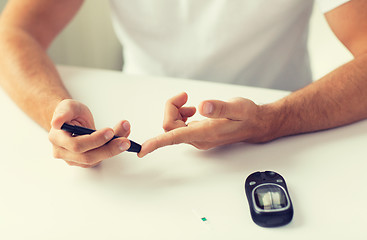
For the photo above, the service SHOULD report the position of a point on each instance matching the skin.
(27, 28)
(337, 99)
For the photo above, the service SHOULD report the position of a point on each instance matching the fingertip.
(122, 129)
(183, 94)
(126, 125)
(178, 100)
(123, 144)
(108, 134)
(146, 148)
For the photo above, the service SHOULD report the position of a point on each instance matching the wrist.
(269, 122)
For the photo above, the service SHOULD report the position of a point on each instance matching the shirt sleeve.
(327, 5)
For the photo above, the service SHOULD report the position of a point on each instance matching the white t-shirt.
(250, 42)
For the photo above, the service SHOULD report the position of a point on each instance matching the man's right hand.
(86, 150)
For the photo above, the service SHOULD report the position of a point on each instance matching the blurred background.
(89, 41)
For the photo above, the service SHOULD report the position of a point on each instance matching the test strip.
(202, 218)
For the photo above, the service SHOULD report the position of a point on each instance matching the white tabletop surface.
(155, 197)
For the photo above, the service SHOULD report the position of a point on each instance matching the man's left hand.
(237, 120)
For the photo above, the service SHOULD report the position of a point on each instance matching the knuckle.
(167, 126)
(239, 100)
(96, 164)
(86, 166)
(205, 147)
(70, 163)
(91, 160)
(75, 164)
(174, 138)
(56, 153)
(221, 110)
(170, 100)
(85, 159)
(97, 142)
(69, 103)
(76, 147)
(110, 152)
(202, 145)
(168, 103)
(51, 136)
(243, 103)
(160, 141)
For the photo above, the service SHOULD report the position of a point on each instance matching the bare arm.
(337, 99)
(27, 28)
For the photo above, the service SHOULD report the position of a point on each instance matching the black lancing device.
(78, 130)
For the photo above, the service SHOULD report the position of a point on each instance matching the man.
(259, 43)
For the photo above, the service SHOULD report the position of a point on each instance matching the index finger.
(176, 136)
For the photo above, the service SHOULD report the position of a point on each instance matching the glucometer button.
(252, 183)
(257, 174)
(270, 174)
(279, 180)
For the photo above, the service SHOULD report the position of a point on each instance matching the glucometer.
(78, 130)
(268, 199)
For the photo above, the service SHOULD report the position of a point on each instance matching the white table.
(154, 197)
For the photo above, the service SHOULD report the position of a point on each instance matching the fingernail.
(126, 126)
(108, 135)
(208, 108)
(124, 146)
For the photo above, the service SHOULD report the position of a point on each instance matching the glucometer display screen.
(270, 197)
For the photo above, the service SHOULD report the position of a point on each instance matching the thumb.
(61, 114)
(72, 111)
(234, 109)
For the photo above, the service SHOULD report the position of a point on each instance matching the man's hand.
(227, 122)
(86, 150)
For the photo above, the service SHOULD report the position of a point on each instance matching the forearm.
(337, 99)
(29, 76)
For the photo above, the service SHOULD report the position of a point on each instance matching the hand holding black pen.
(91, 147)
(77, 130)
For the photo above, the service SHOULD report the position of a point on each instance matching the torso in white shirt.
(250, 42)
